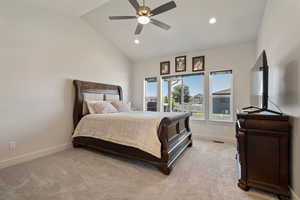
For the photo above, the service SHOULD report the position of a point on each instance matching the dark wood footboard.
(175, 135)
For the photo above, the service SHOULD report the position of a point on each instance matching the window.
(151, 97)
(188, 92)
(184, 93)
(220, 95)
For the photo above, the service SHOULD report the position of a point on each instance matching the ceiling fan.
(144, 15)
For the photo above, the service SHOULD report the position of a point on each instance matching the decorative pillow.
(121, 106)
(90, 97)
(101, 107)
(90, 107)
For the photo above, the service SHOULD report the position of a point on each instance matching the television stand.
(250, 107)
(263, 152)
(260, 110)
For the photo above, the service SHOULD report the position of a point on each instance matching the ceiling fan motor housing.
(144, 11)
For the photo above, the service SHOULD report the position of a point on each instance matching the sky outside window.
(220, 82)
(151, 89)
(195, 83)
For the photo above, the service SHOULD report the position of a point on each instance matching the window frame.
(210, 97)
(157, 93)
(207, 97)
(203, 73)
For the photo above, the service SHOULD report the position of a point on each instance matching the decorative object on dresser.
(165, 68)
(198, 63)
(180, 64)
(263, 152)
(174, 133)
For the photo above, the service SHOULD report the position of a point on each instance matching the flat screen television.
(259, 82)
(259, 86)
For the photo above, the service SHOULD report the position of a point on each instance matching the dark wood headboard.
(82, 87)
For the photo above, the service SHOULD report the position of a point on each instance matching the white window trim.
(144, 94)
(204, 93)
(210, 97)
(160, 90)
(158, 93)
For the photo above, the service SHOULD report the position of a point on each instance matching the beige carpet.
(206, 172)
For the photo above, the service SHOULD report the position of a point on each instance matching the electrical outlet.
(12, 146)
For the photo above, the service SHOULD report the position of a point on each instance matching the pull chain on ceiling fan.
(144, 15)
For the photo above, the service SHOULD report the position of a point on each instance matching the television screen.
(259, 82)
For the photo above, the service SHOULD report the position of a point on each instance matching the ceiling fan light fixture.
(212, 20)
(143, 20)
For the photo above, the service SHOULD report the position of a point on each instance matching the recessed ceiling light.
(212, 20)
(136, 41)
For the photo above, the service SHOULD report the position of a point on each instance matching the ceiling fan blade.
(121, 17)
(164, 8)
(160, 24)
(135, 4)
(139, 29)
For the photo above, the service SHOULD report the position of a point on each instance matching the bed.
(173, 131)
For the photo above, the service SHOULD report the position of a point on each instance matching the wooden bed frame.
(174, 133)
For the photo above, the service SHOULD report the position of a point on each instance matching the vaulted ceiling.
(70, 7)
(237, 21)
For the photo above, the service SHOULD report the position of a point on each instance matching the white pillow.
(90, 97)
(90, 107)
(121, 106)
(101, 107)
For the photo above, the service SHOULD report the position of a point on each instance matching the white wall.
(239, 57)
(279, 36)
(41, 52)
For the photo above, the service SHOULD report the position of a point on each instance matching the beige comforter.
(135, 129)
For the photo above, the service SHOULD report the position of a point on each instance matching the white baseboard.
(33, 155)
(210, 138)
(294, 196)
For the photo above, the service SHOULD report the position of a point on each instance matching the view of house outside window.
(184, 93)
(151, 94)
(220, 95)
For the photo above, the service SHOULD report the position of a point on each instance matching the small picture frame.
(180, 64)
(165, 68)
(198, 63)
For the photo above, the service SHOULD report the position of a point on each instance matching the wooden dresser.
(263, 152)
